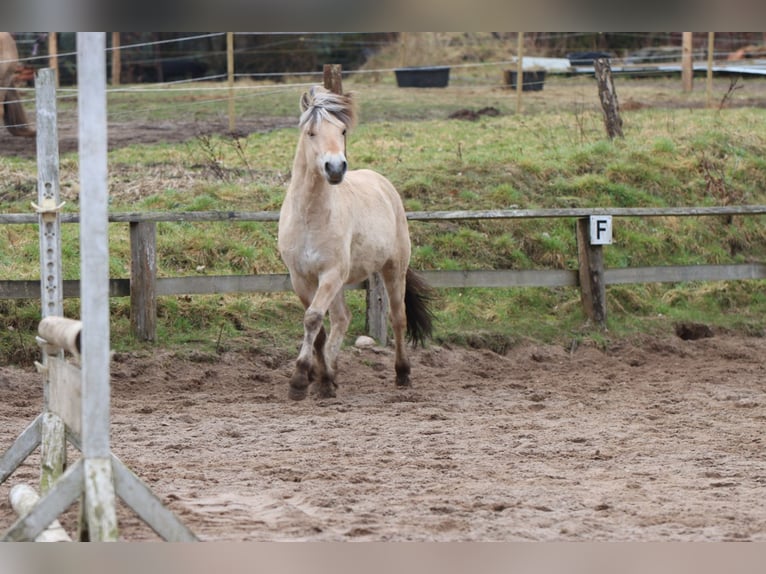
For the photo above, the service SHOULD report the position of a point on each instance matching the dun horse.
(12, 111)
(337, 227)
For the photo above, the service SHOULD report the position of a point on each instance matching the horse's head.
(325, 118)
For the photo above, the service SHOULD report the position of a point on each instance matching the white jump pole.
(53, 433)
(94, 284)
(23, 498)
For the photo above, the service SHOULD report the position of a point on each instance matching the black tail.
(15, 118)
(417, 302)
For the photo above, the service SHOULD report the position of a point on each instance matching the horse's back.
(379, 232)
(374, 189)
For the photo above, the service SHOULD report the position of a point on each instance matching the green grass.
(555, 154)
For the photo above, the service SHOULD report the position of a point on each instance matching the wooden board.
(65, 389)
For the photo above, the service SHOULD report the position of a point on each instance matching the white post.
(51, 277)
(98, 473)
(53, 440)
(94, 284)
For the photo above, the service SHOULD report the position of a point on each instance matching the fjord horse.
(337, 227)
(12, 111)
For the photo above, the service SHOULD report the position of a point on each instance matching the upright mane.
(320, 104)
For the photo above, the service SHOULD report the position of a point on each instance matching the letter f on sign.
(600, 229)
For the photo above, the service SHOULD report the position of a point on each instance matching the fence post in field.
(709, 73)
(116, 59)
(333, 74)
(230, 78)
(377, 309)
(591, 274)
(53, 56)
(687, 64)
(519, 70)
(143, 279)
(608, 96)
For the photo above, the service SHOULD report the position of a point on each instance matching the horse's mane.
(320, 104)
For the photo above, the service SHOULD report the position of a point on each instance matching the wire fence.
(265, 63)
(202, 57)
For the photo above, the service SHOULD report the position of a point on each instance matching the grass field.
(555, 153)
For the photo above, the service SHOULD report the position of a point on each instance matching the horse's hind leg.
(395, 284)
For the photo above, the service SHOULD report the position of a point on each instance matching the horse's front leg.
(299, 382)
(313, 338)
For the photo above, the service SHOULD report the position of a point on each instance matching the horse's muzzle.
(335, 170)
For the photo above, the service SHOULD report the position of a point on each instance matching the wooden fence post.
(230, 78)
(709, 73)
(608, 96)
(591, 274)
(519, 70)
(333, 74)
(53, 56)
(377, 309)
(143, 279)
(116, 59)
(687, 62)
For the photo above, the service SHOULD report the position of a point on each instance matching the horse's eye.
(344, 132)
(311, 134)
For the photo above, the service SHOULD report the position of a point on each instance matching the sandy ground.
(652, 440)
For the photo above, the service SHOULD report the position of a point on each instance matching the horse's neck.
(309, 190)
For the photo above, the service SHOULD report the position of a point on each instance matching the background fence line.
(143, 286)
(144, 289)
(180, 54)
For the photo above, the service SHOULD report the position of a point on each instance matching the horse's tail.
(15, 118)
(418, 296)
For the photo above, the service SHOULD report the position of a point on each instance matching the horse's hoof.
(326, 388)
(403, 381)
(297, 393)
(325, 392)
(299, 385)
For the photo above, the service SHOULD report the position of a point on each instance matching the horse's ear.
(352, 111)
(306, 101)
(308, 97)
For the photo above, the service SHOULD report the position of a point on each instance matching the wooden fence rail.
(143, 286)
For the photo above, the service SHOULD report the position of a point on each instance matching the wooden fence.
(143, 286)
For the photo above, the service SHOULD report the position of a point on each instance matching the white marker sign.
(600, 229)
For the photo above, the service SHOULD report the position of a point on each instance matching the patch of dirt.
(466, 114)
(654, 439)
(135, 133)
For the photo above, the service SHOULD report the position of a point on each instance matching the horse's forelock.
(322, 105)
